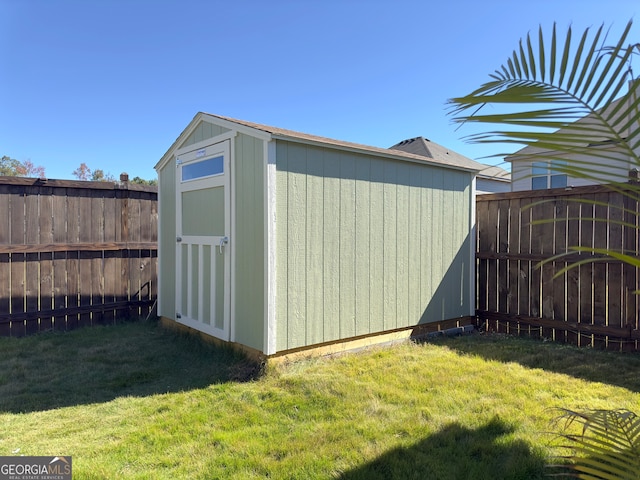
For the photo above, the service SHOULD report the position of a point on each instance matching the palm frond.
(605, 443)
(581, 91)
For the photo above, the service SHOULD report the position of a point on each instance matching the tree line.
(16, 168)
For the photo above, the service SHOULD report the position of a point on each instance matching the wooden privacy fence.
(75, 253)
(593, 304)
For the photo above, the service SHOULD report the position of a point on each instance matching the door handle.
(223, 242)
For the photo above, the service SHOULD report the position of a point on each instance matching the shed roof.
(455, 160)
(459, 162)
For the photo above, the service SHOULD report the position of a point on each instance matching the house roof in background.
(426, 148)
(496, 173)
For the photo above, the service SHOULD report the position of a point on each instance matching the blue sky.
(112, 83)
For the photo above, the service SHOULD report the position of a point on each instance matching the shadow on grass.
(457, 452)
(613, 368)
(99, 364)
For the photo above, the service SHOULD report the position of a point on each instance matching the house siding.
(613, 169)
(366, 244)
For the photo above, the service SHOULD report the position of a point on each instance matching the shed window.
(203, 168)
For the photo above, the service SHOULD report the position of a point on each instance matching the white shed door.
(202, 243)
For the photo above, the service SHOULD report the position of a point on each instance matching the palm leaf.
(582, 94)
(605, 443)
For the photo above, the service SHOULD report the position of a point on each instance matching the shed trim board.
(472, 245)
(326, 240)
(270, 253)
(231, 228)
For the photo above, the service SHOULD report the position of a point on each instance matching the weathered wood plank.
(600, 270)
(600, 330)
(16, 182)
(17, 302)
(586, 271)
(5, 214)
(513, 246)
(492, 265)
(5, 293)
(631, 239)
(482, 287)
(502, 246)
(7, 319)
(17, 217)
(572, 292)
(60, 289)
(45, 274)
(70, 247)
(615, 289)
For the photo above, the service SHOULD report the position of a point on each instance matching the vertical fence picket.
(615, 315)
(5, 298)
(71, 200)
(45, 259)
(572, 292)
(587, 212)
(630, 273)
(502, 243)
(559, 283)
(126, 208)
(526, 265)
(492, 263)
(600, 269)
(96, 229)
(483, 244)
(32, 236)
(513, 247)
(17, 260)
(5, 264)
(112, 262)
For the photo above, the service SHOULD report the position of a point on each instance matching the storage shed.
(278, 241)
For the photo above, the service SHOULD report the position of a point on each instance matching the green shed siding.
(249, 242)
(167, 240)
(203, 131)
(366, 244)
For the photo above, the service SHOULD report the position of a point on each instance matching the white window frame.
(548, 169)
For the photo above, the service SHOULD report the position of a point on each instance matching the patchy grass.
(136, 401)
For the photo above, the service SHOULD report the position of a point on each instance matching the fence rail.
(75, 253)
(591, 304)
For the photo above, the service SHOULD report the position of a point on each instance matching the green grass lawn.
(136, 401)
